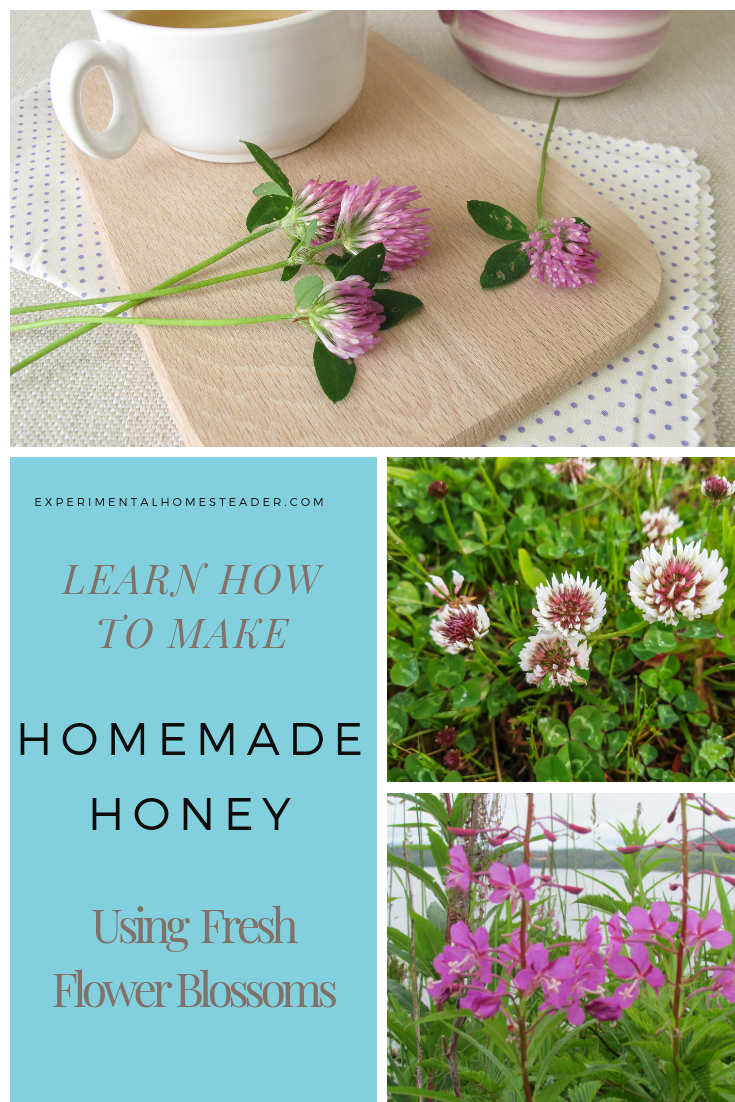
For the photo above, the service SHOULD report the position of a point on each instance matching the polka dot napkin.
(659, 393)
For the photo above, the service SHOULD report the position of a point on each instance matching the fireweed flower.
(560, 253)
(717, 489)
(346, 317)
(684, 582)
(457, 626)
(657, 526)
(510, 883)
(553, 653)
(315, 200)
(700, 930)
(570, 607)
(637, 969)
(460, 874)
(571, 470)
(483, 1003)
(723, 982)
(370, 213)
(647, 924)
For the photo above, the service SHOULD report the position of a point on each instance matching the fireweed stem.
(128, 305)
(522, 1035)
(156, 321)
(676, 1007)
(143, 295)
(544, 151)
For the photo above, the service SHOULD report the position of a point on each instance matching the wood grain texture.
(453, 374)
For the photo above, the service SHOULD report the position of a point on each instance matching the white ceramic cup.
(280, 84)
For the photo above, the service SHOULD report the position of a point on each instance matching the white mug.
(279, 84)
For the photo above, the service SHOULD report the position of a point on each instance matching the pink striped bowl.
(558, 53)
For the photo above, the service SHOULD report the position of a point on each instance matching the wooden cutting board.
(468, 365)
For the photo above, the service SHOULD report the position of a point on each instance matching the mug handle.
(69, 70)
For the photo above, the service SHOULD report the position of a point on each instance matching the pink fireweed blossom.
(370, 213)
(684, 582)
(553, 653)
(438, 587)
(571, 470)
(723, 982)
(510, 883)
(717, 489)
(647, 924)
(636, 969)
(605, 1010)
(615, 937)
(456, 626)
(700, 930)
(315, 200)
(483, 1003)
(658, 526)
(571, 606)
(460, 874)
(560, 253)
(346, 317)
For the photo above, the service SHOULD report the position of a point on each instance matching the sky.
(611, 807)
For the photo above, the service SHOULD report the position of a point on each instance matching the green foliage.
(658, 701)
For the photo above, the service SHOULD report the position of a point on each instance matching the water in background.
(568, 909)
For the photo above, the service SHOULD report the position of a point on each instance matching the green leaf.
(467, 695)
(397, 648)
(270, 188)
(627, 620)
(700, 629)
(401, 995)
(585, 725)
(426, 706)
(269, 166)
(396, 305)
(497, 221)
(553, 731)
(306, 291)
(335, 375)
(699, 719)
(505, 266)
(395, 775)
(290, 272)
(667, 716)
(368, 263)
(407, 599)
(269, 208)
(447, 672)
(688, 701)
(532, 576)
(466, 742)
(582, 222)
(405, 671)
(417, 771)
(551, 768)
(335, 263)
(660, 638)
(650, 678)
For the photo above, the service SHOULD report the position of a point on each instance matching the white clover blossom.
(438, 587)
(571, 606)
(640, 460)
(571, 470)
(456, 626)
(661, 524)
(685, 581)
(555, 654)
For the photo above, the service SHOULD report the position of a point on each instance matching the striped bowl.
(558, 53)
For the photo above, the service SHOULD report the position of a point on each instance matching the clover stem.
(128, 305)
(156, 321)
(544, 153)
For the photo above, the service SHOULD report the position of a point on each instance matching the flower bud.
(446, 737)
(439, 490)
(717, 489)
(452, 759)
